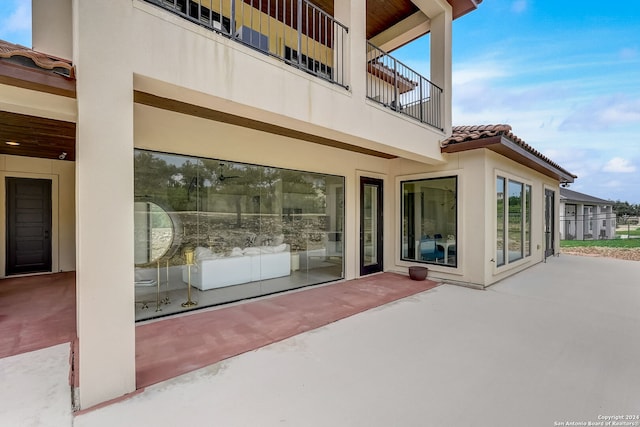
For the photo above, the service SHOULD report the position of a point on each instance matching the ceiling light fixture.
(13, 143)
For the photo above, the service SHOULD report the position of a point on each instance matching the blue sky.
(564, 74)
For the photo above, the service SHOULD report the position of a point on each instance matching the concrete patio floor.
(557, 343)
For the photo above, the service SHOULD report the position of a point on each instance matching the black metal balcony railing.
(398, 87)
(296, 31)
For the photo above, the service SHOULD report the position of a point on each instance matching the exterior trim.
(151, 100)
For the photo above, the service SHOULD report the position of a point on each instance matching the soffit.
(383, 14)
(37, 136)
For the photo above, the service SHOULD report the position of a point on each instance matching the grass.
(617, 243)
(631, 232)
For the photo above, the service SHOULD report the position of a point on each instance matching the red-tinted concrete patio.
(39, 311)
(167, 348)
(36, 312)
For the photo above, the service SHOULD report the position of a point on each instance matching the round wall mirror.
(156, 233)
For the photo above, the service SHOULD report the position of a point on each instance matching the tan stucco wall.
(476, 171)
(499, 165)
(23, 101)
(52, 27)
(62, 176)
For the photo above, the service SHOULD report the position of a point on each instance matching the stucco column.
(353, 14)
(441, 18)
(104, 196)
(441, 45)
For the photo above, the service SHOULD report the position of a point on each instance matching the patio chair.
(429, 250)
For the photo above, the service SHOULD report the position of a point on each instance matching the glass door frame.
(378, 240)
(549, 222)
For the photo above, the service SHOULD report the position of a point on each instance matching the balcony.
(295, 31)
(396, 86)
(306, 37)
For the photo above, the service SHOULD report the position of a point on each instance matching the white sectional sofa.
(212, 271)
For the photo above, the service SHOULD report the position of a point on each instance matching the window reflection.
(253, 230)
(513, 221)
(429, 221)
(500, 235)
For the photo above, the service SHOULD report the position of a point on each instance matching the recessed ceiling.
(37, 136)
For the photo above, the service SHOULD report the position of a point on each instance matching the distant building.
(584, 217)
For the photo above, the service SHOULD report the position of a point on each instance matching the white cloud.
(519, 6)
(477, 73)
(603, 113)
(619, 165)
(628, 53)
(614, 183)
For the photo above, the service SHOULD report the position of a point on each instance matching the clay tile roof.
(43, 61)
(468, 134)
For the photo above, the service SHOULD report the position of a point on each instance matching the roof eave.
(36, 79)
(504, 146)
(462, 9)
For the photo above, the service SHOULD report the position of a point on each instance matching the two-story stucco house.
(585, 217)
(208, 151)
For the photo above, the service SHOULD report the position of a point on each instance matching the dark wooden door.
(28, 225)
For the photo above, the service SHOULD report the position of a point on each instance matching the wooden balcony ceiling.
(37, 136)
(383, 14)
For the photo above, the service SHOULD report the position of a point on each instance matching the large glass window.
(527, 220)
(515, 234)
(500, 236)
(230, 230)
(513, 226)
(429, 221)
